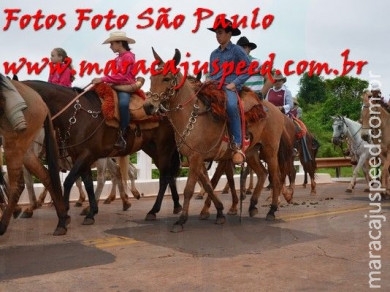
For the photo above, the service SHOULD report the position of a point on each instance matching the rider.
(58, 55)
(226, 53)
(255, 81)
(296, 111)
(279, 95)
(119, 43)
(14, 104)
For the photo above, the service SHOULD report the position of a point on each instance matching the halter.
(166, 96)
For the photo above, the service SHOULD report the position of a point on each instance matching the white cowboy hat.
(375, 86)
(117, 36)
(280, 77)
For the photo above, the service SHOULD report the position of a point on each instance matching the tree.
(312, 90)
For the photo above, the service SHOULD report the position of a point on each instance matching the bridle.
(166, 96)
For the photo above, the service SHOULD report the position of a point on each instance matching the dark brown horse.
(83, 133)
(199, 137)
(18, 153)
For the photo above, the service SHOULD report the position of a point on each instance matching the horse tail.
(52, 156)
(284, 155)
(124, 169)
(175, 164)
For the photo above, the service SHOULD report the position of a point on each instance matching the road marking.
(107, 242)
(327, 213)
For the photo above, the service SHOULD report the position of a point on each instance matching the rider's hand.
(231, 86)
(96, 80)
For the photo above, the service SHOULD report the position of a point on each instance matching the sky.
(301, 30)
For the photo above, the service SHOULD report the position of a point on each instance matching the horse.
(375, 127)
(199, 137)
(86, 137)
(345, 128)
(18, 153)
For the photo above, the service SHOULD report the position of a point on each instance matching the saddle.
(300, 128)
(110, 108)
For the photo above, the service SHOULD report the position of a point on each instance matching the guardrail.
(334, 162)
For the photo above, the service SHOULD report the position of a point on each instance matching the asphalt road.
(316, 244)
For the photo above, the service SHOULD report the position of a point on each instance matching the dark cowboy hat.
(280, 76)
(244, 42)
(228, 28)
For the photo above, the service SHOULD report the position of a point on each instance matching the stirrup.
(238, 156)
(121, 142)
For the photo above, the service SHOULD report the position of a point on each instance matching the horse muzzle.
(336, 141)
(150, 109)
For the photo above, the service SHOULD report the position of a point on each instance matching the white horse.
(345, 128)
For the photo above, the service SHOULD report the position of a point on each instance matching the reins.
(85, 89)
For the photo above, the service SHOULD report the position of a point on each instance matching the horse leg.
(163, 183)
(273, 168)
(229, 170)
(81, 199)
(205, 213)
(28, 212)
(305, 179)
(177, 208)
(42, 197)
(116, 178)
(202, 192)
(313, 183)
(196, 164)
(250, 187)
(93, 206)
(132, 177)
(203, 176)
(16, 186)
(385, 176)
(355, 174)
(258, 168)
(34, 166)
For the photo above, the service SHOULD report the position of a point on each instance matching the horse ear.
(177, 57)
(157, 57)
(199, 76)
(15, 77)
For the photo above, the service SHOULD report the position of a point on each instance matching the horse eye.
(166, 79)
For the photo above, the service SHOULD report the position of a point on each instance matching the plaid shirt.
(232, 53)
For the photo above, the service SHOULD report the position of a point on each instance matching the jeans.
(124, 114)
(234, 116)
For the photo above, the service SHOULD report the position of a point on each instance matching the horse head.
(339, 130)
(163, 83)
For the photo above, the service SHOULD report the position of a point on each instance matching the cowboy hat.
(244, 42)
(375, 86)
(228, 28)
(118, 36)
(280, 76)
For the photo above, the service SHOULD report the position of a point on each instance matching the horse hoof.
(126, 206)
(176, 228)
(84, 212)
(17, 212)
(88, 221)
(107, 201)
(67, 220)
(150, 217)
(220, 220)
(270, 217)
(224, 191)
(177, 210)
(232, 212)
(313, 193)
(78, 204)
(59, 231)
(366, 190)
(348, 191)
(26, 214)
(199, 197)
(204, 216)
(253, 212)
(3, 229)
(137, 195)
(248, 192)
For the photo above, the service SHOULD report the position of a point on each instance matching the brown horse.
(375, 128)
(82, 131)
(199, 137)
(18, 153)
